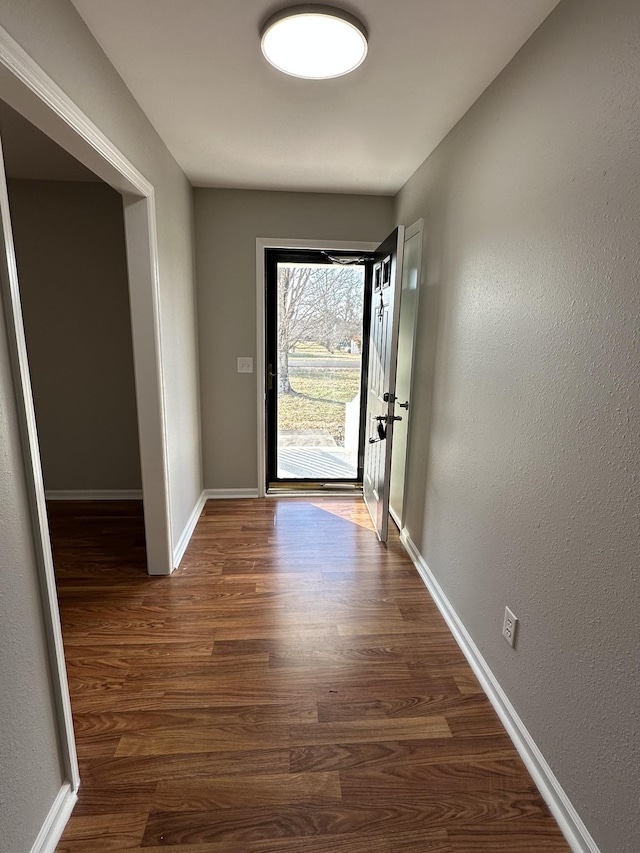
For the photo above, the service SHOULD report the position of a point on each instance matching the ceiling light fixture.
(315, 42)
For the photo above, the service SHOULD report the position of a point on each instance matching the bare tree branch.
(318, 304)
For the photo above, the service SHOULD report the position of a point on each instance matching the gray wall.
(72, 266)
(227, 225)
(54, 35)
(31, 767)
(524, 491)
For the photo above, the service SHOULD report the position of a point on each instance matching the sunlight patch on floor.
(353, 510)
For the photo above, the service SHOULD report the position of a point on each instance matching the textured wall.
(227, 225)
(72, 266)
(524, 490)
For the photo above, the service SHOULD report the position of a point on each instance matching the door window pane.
(319, 313)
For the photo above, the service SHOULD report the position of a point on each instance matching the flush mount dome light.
(315, 42)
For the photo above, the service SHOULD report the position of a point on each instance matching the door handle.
(387, 419)
(381, 430)
(270, 377)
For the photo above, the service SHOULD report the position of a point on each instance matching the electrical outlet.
(245, 364)
(509, 627)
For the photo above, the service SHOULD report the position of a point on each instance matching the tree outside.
(320, 311)
(320, 305)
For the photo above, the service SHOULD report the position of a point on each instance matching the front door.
(383, 347)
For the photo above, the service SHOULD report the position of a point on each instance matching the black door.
(317, 306)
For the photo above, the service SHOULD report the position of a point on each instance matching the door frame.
(414, 230)
(273, 257)
(32, 93)
(263, 243)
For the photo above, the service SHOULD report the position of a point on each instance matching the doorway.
(317, 320)
(68, 237)
(37, 99)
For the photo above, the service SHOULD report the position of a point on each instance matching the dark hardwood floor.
(292, 687)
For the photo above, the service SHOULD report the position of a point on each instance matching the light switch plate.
(245, 364)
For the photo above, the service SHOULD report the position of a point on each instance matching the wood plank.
(369, 731)
(246, 791)
(343, 756)
(99, 800)
(309, 820)
(119, 722)
(194, 739)
(191, 738)
(412, 706)
(146, 770)
(423, 781)
(406, 842)
(121, 831)
(529, 835)
(125, 654)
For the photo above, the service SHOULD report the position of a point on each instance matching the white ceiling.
(231, 120)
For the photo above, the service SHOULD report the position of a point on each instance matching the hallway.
(292, 687)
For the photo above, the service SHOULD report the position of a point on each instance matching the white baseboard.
(569, 821)
(57, 819)
(222, 494)
(93, 494)
(207, 494)
(187, 533)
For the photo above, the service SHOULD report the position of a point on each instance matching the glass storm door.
(315, 340)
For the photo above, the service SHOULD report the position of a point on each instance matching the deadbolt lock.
(387, 419)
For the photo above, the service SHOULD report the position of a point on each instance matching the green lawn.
(307, 355)
(312, 350)
(319, 399)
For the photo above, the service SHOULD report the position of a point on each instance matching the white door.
(411, 266)
(383, 346)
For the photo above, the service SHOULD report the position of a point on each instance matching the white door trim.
(263, 243)
(29, 90)
(417, 229)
